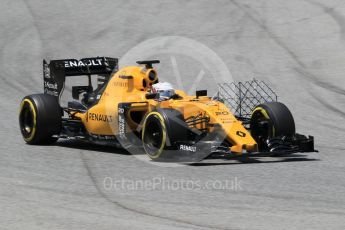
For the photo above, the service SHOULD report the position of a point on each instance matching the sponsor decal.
(188, 148)
(222, 113)
(122, 134)
(226, 120)
(100, 117)
(102, 137)
(211, 103)
(89, 62)
(50, 85)
(51, 92)
(126, 77)
(46, 71)
(121, 84)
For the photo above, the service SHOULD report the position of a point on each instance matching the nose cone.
(240, 138)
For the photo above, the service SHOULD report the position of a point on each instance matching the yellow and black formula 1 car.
(125, 111)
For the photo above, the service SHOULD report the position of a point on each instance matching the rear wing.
(55, 72)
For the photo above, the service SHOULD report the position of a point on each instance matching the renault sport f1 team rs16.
(130, 107)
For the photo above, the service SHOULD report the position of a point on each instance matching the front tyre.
(154, 135)
(269, 120)
(161, 130)
(40, 119)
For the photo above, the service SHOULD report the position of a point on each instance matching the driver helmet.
(165, 90)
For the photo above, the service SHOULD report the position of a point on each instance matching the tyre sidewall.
(280, 118)
(158, 117)
(47, 117)
(174, 128)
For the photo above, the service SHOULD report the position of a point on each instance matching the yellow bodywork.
(131, 84)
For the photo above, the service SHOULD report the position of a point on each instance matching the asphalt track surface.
(298, 46)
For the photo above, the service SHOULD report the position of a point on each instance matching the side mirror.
(152, 95)
(200, 93)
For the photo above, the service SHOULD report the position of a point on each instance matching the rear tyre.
(161, 129)
(271, 119)
(40, 119)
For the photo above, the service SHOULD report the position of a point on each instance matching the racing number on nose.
(240, 133)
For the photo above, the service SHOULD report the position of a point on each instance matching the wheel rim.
(261, 127)
(27, 120)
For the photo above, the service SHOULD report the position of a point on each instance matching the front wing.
(276, 147)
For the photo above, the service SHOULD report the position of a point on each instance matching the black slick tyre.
(161, 129)
(269, 120)
(40, 119)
